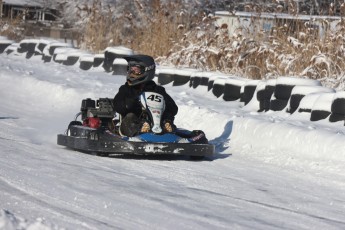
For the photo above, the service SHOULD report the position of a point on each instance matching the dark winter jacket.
(127, 100)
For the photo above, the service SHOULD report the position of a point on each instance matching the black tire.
(261, 97)
(29, 55)
(23, 47)
(210, 85)
(165, 78)
(278, 104)
(41, 46)
(3, 47)
(46, 58)
(269, 91)
(31, 47)
(218, 90)
(335, 117)
(261, 94)
(180, 80)
(71, 60)
(109, 58)
(231, 92)
(283, 92)
(317, 115)
(204, 81)
(85, 65)
(248, 93)
(338, 106)
(196, 81)
(294, 102)
(97, 61)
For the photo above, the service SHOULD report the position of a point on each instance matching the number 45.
(156, 98)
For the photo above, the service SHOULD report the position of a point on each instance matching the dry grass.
(152, 31)
(263, 55)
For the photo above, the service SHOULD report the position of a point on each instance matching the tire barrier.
(248, 91)
(119, 66)
(49, 50)
(232, 89)
(4, 43)
(299, 91)
(218, 86)
(294, 94)
(195, 79)
(12, 49)
(338, 107)
(208, 78)
(177, 77)
(205, 77)
(256, 102)
(71, 60)
(267, 95)
(182, 76)
(86, 61)
(31, 45)
(60, 54)
(40, 47)
(283, 89)
(23, 46)
(307, 102)
(165, 75)
(111, 53)
(322, 107)
(98, 60)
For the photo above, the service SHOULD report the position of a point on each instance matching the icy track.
(271, 171)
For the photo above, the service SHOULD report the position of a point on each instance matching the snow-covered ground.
(272, 170)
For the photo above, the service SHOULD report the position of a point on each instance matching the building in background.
(252, 22)
(27, 10)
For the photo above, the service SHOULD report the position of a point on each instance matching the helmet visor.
(135, 71)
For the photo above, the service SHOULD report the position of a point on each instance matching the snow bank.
(302, 141)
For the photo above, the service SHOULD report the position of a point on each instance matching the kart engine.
(97, 113)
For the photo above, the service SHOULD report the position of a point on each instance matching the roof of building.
(33, 3)
(275, 15)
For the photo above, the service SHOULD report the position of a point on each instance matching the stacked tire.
(283, 89)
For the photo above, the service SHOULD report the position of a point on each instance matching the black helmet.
(141, 68)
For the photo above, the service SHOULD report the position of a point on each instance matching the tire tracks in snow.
(270, 206)
(71, 216)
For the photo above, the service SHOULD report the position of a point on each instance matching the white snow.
(119, 50)
(272, 170)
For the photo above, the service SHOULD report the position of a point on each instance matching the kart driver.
(140, 72)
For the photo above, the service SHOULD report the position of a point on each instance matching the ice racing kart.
(98, 133)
